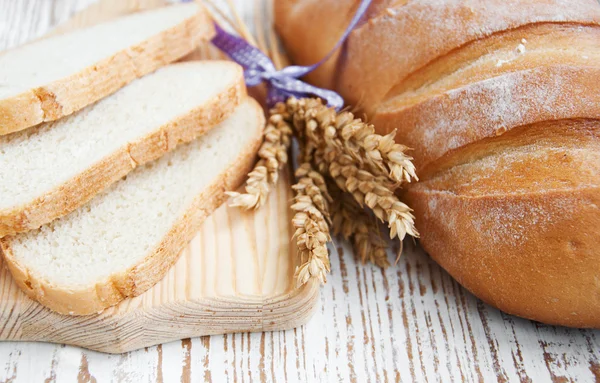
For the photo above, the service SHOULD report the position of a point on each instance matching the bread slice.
(59, 75)
(123, 241)
(49, 170)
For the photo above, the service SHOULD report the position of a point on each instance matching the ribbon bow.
(281, 84)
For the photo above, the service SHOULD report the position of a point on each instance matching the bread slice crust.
(77, 191)
(70, 94)
(140, 277)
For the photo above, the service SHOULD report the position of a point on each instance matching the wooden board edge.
(178, 320)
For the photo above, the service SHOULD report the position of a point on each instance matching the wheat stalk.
(273, 154)
(311, 223)
(311, 199)
(313, 184)
(366, 165)
(325, 128)
(357, 226)
(374, 193)
(365, 169)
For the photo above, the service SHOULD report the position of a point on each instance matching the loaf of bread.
(56, 76)
(123, 241)
(49, 170)
(499, 100)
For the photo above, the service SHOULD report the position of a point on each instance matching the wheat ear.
(311, 206)
(273, 155)
(361, 162)
(359, 227)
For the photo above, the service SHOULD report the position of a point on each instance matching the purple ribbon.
(281, 84)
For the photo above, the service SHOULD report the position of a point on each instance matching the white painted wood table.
(411, 322)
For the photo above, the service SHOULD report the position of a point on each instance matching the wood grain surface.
(411, 322)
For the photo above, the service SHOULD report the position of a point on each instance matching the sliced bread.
(59, 75)
(49, 170)
(123, 241)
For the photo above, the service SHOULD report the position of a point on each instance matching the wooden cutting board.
(236, 275)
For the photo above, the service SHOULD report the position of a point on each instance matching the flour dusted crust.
(453, 119)
(507, 151)
(525, 244)
(516, 219)
(530, 255)
(385, 48)
(77, 191)
(443, 25)
(65, 96)
(139, 278)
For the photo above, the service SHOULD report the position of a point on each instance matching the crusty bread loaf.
(49, 170)
(500, 102)
(56, 76)
(123, 241)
